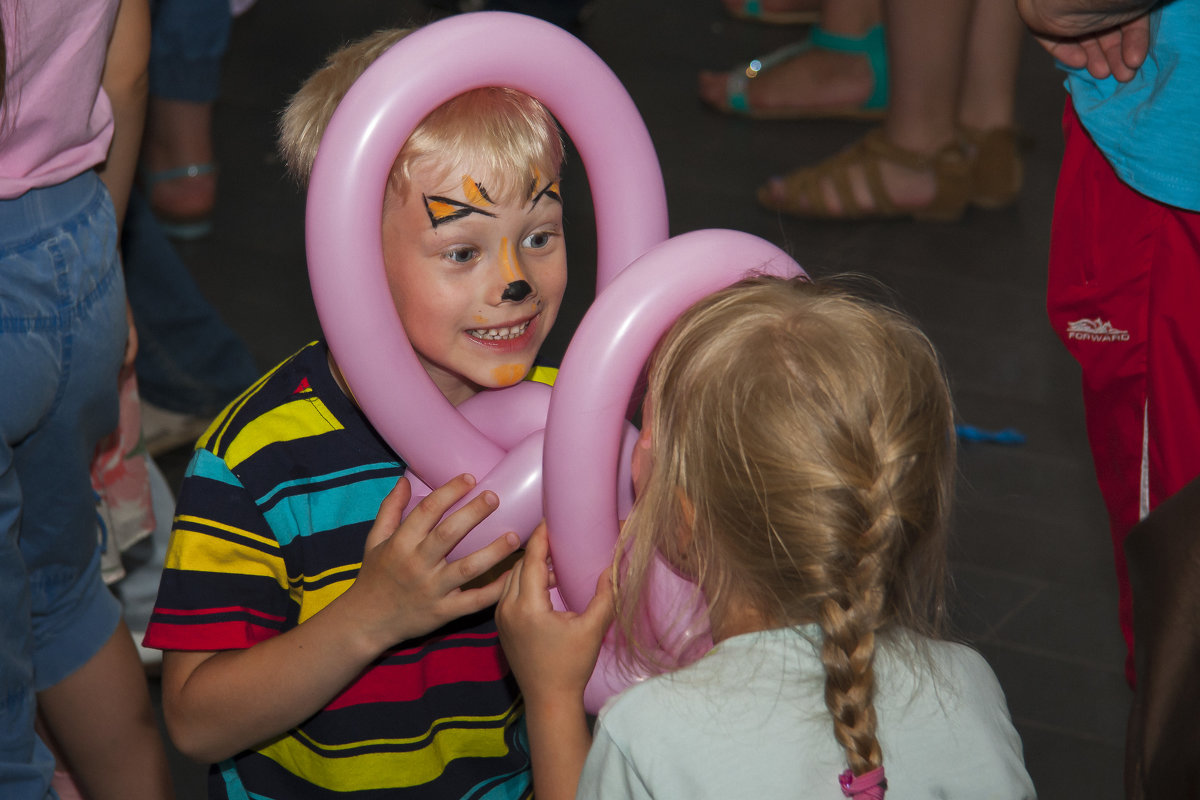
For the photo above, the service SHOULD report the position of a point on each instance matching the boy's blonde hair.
(805, 439)
(506, 133)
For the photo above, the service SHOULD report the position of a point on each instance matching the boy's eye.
(462, 255)
(537, 241)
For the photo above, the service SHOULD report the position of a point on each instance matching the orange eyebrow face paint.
(446, 209)
(475, 193)
(549, 190)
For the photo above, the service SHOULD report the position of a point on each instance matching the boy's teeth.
(500, 333)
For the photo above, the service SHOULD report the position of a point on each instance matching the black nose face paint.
(517, 291)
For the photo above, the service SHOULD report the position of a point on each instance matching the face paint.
(475, 193)
(549, 190)
(445, 251)
(510, 266)
(509, 374)
(516, 291)
(445, 209)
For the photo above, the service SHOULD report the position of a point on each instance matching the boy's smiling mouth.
(496, 334)
(503, 333)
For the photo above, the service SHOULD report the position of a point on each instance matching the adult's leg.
(1098, 299)
(927, 45)
(189, 360)
(985, 108)
(817, 78)
(188, 42)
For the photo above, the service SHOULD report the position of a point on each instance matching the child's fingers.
(470, 567)
(435, 504)
(600, 609)
(391, 512)
(445, 535)
(535, 579)
(468, 601)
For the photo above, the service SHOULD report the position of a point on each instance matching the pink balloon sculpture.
(500, 436)
(587, 415)
(344, 217)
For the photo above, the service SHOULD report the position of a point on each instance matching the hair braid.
(811, 434)
(850, 617)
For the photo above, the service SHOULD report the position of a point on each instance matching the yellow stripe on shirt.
(390, 770)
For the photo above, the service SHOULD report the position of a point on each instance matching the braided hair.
(803, 437)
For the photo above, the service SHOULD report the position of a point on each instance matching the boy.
(296, 669)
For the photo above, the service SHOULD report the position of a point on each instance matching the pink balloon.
(344, 219)
(502, 436)
(587, 413)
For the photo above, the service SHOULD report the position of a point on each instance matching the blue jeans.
(62, 338)
(187, 42)
(188, 359)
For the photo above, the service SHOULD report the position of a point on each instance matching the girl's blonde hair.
(805, 439)
(507, 134)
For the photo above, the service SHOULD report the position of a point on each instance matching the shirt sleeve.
(225, 584)
(608, 771)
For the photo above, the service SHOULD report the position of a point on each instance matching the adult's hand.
(1107, 37)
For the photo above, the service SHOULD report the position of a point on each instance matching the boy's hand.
(552, 653)
(406, 587)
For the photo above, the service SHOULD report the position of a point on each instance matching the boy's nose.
(516, 291)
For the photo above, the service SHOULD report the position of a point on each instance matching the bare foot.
(815, 80)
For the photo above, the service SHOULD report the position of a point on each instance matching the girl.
(72, 97)
(796, 463)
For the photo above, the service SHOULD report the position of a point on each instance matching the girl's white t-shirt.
(749, 720)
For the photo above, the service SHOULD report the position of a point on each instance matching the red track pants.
(1124, 296)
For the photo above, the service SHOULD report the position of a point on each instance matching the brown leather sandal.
(997, 169)
(804, 195)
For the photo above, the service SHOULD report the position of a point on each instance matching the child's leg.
(102, 719)
(25, 765)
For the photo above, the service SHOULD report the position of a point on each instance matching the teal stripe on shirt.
(314, 512)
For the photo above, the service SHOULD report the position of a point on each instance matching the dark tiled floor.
(1033, 568)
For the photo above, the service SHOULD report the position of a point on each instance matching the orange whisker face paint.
(510, 267)
(508, 374)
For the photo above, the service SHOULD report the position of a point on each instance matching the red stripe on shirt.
(217, 636)
(396, 683)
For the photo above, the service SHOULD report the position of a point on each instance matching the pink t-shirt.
(56, 122)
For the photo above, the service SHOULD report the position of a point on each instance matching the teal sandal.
(872, 45)
(183, 229)
(753, 11)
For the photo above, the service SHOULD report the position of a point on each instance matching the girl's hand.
(552, 653)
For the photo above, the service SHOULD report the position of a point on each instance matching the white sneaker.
(163, 430)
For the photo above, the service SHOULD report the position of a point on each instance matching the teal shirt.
(1149, 128)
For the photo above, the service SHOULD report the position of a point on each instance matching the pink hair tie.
(869, 786)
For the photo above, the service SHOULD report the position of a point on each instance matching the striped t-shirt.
(270, 527)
